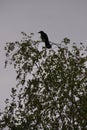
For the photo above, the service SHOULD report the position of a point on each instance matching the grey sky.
(58, 18)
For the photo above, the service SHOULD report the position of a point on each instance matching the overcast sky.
(58, 18)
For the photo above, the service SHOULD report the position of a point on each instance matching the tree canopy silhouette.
(51, 93)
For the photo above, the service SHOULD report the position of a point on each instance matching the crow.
(45, 39)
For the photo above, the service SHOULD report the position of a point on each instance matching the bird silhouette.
(45, 39)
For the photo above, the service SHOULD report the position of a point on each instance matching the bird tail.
(47, 44)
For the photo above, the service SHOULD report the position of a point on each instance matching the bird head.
(41, 32)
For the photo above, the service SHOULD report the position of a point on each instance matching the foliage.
(51, 93)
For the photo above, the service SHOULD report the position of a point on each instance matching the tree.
(51, 93)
